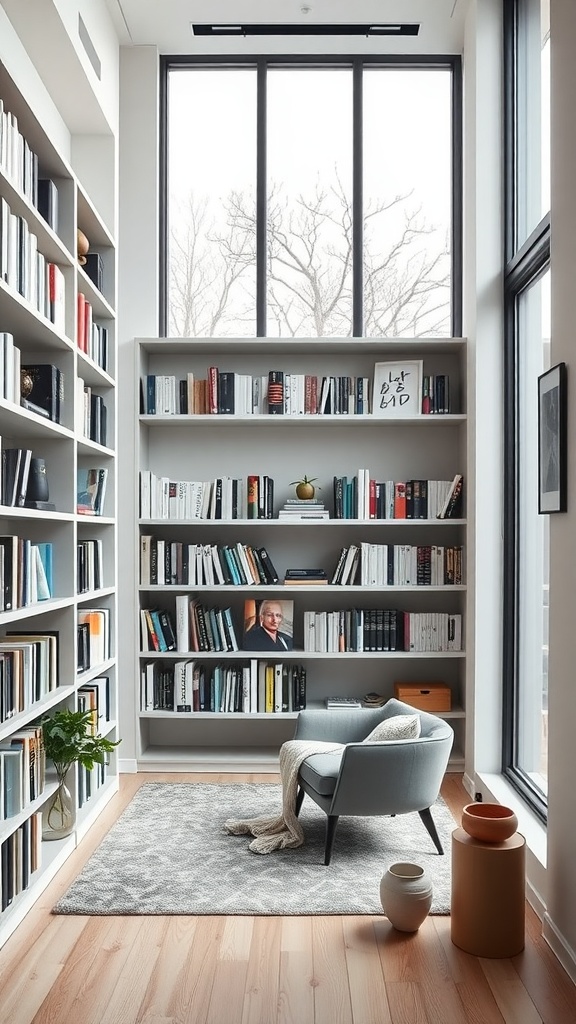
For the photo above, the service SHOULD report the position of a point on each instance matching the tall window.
(527, 355)
(311, 198)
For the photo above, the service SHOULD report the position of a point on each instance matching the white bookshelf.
(202, 447)
(65, 450)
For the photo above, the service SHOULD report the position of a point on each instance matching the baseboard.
(535, 900)
(468, 784)
(127, 766)
(559, 947)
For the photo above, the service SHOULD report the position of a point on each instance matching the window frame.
(523, 267)
(356, 63)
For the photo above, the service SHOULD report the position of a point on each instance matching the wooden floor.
(264, 970)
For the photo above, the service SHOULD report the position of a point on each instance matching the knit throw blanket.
(284, 830)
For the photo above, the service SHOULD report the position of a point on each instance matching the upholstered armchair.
(385, 777)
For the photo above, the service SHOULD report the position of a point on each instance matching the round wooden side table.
(488, 895)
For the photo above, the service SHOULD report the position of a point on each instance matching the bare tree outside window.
(309, 258)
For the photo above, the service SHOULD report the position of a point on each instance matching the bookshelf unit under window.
(40, 328)
(200, 447)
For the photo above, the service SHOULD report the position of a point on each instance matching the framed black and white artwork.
(552, 455)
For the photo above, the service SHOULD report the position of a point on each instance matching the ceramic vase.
(406, 896)
(58, 814)
(490, 823)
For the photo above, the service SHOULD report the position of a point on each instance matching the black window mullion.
(261, 202)
(357, 203)
(457, 217)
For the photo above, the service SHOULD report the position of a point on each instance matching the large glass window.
(527, 355)
(531, 749)
(311, 198)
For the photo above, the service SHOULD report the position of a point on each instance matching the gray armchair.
(384, 778)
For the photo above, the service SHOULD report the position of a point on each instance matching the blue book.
(45, 550)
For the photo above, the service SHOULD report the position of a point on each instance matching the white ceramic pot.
(406, 896)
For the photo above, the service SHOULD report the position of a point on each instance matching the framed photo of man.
(552, 454)
(268, 625)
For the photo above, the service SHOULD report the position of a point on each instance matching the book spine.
(275, 392)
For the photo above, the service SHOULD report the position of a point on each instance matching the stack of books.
(303, 508)
(305, 577)
(343, 702)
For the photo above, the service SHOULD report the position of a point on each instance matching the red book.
(372, 498)
(56, 297)
(399, 501)
(252, 497)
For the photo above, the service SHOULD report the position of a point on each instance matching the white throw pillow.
(400, 727)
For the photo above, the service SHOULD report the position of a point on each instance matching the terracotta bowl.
(490, 823)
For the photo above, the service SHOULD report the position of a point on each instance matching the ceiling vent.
(374, 29)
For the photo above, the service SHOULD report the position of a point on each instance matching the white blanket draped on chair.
(283, 830)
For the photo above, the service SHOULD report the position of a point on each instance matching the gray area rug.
(169, 854)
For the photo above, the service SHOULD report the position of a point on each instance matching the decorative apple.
(305, 487)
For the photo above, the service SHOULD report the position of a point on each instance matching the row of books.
(92, 413)
(89, 780)
(277, 392)
(381, 629)
(164, 562)
(222, 498)
(17, 160)
(10, 361)
(93, 637)
(188, 686)
(197, 628)
(25, 269)
(25, 572)
(91, 491)
(20, 857)
(362, 497)
(91, 337)
(22, 770)
(399, 565)
(89, 565)
(28, 670)
(94, 697)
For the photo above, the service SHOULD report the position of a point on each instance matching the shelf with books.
(264, 421)
(42, 203)
(181, 448)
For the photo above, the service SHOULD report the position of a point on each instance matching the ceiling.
(166, 24)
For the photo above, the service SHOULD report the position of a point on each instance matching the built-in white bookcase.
(285, 447)
(65, 450)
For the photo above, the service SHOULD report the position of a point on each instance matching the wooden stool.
(488, 895)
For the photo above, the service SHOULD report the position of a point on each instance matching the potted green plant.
(69, 737)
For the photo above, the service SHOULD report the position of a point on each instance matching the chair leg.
(428, 821)
(299, 801)
(331, 822)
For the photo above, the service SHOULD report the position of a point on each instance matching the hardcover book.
(275, 392)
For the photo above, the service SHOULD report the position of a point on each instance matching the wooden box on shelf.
(425, 696)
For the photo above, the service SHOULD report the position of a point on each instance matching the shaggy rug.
(168, 853)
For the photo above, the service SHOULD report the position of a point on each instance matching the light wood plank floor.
(264, 970)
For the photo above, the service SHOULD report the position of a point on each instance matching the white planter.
(406, 896)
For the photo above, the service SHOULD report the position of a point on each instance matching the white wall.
(560, 923)
(138, 317)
